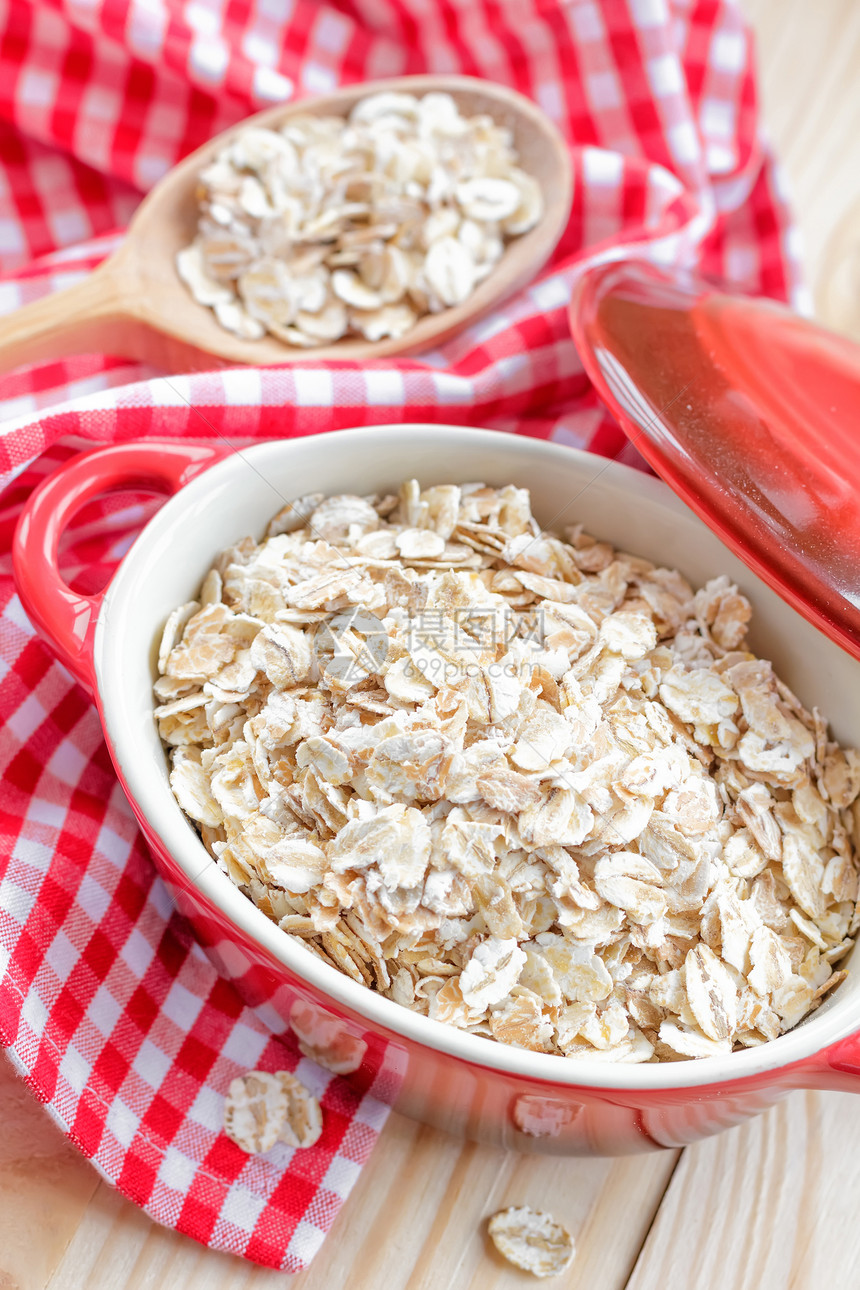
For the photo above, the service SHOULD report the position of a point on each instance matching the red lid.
(750, 413)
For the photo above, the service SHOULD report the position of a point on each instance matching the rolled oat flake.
(531, 1240)
(255, 1110)
(263, 1108)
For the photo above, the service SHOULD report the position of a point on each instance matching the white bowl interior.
(634, 511)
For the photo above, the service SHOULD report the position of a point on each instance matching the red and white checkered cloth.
(116, 1019)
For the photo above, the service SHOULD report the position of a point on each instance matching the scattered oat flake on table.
(264, 1107)
(532, 1240)
(326, 1040)
(303, 1122)
(255, 1111)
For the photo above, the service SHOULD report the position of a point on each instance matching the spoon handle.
(86, 318)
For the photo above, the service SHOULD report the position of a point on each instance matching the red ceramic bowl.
(460, 1082)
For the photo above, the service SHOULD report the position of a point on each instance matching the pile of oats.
(356, 226)
(526, 785)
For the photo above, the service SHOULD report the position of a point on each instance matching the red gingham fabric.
(108, 1008)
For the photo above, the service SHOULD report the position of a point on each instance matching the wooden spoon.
(135, 304)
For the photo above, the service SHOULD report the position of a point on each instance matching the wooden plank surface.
(769, 1206)
(809, 61)
(415, 1219)
(45, 1188)
(764, 1207)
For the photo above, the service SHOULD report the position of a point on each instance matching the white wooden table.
(770, 1206)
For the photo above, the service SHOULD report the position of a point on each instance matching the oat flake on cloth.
(116, 1019)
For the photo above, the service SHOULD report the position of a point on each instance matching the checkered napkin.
(109, 1010)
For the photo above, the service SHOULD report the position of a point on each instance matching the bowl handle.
(836, 1068)
(66, 619)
